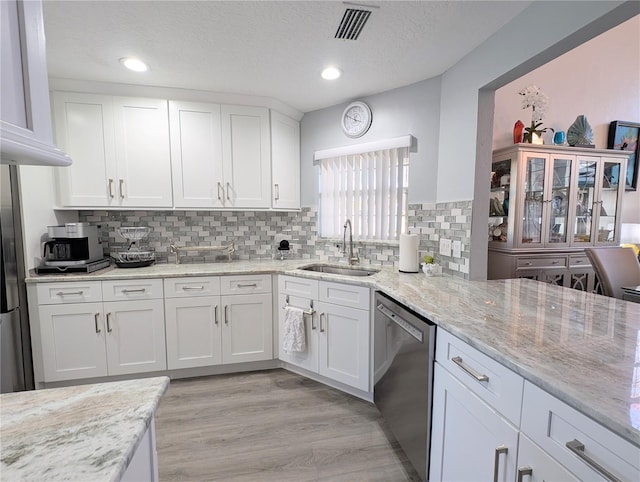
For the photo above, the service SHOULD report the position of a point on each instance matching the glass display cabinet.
(546, 204)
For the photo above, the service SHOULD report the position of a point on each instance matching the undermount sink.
(343, 270)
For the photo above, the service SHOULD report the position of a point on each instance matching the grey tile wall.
(257, 234)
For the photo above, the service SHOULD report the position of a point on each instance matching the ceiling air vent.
(353, 21)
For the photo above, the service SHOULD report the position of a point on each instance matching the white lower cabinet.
(94, 339)
(337, 336)
(470, 440)
(205, 328)
(535, 465)
(490, 424)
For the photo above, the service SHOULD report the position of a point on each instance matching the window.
(369, 188)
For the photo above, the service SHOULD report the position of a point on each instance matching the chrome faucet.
(352, 259)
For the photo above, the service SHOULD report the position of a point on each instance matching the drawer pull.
(193, 288)
(247, 285)
(578, 261)
(528, 263)
(577, 448)
(500, 449)
(522, 471)
(555, 262)
(70, 293)
(458, 361)
(137, 290)
(96, 318)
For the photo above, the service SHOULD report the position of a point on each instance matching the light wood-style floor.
(272, 426)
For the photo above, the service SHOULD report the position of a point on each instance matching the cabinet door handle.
(277, 190)
(137, 290)
(96, 319)
(109, 330)
(70, 293)
(577, 448)
(458, 361)
(193, 288)
(215, 314)
(321, 318)
(220, 187)
(228, 189)
(247, 285)
(226, 314)
(111, 194)
(522, 471)
(500, 449)
(121, 187)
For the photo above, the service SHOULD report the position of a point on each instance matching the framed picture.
(623, 136)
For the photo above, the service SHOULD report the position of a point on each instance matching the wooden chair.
(615, 267)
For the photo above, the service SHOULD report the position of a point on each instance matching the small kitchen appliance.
(134, 257)
(73, 247)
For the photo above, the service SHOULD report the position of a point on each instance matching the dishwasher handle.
(401, 322)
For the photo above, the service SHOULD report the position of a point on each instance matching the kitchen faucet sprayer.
(352, 259)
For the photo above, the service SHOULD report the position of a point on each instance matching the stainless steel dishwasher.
(403, 359)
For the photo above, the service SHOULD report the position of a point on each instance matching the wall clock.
(356, 119)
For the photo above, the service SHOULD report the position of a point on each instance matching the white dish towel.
(294, 339)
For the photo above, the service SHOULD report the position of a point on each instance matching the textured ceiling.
(266, 48)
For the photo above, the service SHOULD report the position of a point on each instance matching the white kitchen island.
(88, 432)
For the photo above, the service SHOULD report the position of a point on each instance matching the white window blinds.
(368, 188)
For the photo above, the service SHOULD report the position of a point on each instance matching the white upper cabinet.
(25, 125)
(121, 150)
(196, 154)
(285, 162)
(84, 127)
(246, 154)
(142, 152)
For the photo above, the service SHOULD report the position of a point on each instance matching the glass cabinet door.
(499, 201)
(609, 202)
(534, 183)
(558, 201)
(585, 199)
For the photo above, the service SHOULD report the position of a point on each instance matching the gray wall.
(454, 144)
(414, 109)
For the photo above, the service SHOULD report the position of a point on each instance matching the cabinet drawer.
(292, 285)
(576, 261)
(69, 292)
(121, 290)
(552, 424)
(502, 388)
(344, 295)
(552, 262)
(189, 287)
(243, 284)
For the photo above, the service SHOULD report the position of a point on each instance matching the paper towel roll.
(409, 253)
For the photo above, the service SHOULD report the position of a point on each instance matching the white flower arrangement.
(539, 102)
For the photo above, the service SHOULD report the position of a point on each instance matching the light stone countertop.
(85, 432)
(582, 348)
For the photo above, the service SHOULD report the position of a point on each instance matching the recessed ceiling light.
(134, 64)
(331, 73)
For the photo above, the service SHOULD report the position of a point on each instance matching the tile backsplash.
(257, 234)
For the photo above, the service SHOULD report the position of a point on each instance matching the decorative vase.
(536, 139)
(432, 269)
(580, 133)
(558, 138)
(518, 132)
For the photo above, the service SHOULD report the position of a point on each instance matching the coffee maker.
(74, 245)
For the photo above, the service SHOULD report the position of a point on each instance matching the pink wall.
(599, 79)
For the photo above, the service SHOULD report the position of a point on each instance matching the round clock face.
(356, 119)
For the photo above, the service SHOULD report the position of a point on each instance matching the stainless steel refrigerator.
(16, 366)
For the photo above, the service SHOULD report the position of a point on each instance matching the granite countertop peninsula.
(580, 347)
(85, 432)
